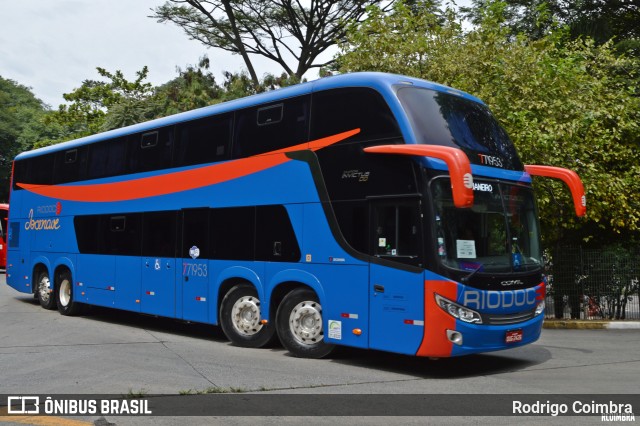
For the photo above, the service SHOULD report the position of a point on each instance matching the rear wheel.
(64, 295)
(240, 318)
(44, 291)
(299, 324)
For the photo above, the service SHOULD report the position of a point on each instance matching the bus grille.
(493, 319)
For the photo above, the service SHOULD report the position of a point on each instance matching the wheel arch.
(63, 264)
(233, 276)
(40, 264)
(288, 280)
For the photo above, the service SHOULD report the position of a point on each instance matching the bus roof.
(382, 82)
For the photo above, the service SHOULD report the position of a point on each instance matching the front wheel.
(299, 325)
(241, 320)
(44, 291)
(64, 295)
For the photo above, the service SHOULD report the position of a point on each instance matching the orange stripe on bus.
(179, 181)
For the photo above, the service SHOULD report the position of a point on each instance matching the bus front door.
(396, 279)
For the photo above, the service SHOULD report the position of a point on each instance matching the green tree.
(566, 103)
(600, 20)
(194, 87)
(98, 106)
(288, 32)
(20, 115)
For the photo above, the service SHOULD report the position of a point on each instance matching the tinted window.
(195, 234)
(122, 235)
(39, 170)
(396, 227)
(88, 233)
(159, 234)
(443, 119)
(233, 233)
(108, 158)
(340, 110)
(19, 173)
(151, 150)
(204, 141)
(275, 239)
(71, 165)
(271, 127)
(109, 234)
(14, 235)
(353, 219)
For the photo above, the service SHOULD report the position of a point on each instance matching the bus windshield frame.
(440, 118)
(498, 235)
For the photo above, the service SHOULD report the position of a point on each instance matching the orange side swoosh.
(179, 181)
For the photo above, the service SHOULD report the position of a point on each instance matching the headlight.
(458, 311)
(540, 308)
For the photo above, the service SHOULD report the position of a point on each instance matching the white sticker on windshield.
(466, 249)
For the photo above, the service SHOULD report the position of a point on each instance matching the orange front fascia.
(455, 159)
(569, 177)
(437, 321)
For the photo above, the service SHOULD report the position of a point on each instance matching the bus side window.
(159, 234)
(340, 110)
(123, 235)
(270, 127)
(71, 165)
(275, 238)
(40, 169)
(233, 233)
(205, 140)
(151, 150)
(108, 158)
(396, 229)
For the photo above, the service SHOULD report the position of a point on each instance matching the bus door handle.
(378, 288)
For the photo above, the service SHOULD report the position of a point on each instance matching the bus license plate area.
(513, 336)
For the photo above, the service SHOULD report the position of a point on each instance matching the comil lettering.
(41, 224)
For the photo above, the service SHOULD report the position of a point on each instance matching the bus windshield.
(498, 234)
(439, 118)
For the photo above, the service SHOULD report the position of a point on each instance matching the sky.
(52, 46)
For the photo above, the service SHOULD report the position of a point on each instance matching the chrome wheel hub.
(44, 289)
(245, 315)
(305, 322)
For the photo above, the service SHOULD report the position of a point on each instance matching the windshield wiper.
(467, 277)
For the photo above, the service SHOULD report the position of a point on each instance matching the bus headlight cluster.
(458, 311)
(540, 308)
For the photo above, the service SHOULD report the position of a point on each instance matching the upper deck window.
(340, 110)
(439, 118)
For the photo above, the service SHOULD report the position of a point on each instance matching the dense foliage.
(569, 103)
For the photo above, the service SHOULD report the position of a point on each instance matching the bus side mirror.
(569, 177)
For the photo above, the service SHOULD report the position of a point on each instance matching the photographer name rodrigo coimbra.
(610, 411)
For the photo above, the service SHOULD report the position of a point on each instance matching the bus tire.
(44, 291)
(299, 325)
(64, 295)
(240, 318)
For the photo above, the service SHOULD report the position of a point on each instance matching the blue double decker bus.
(368, 210)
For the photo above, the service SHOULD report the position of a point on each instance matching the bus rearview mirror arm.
(569, 177)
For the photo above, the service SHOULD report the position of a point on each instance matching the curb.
(590, 325)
